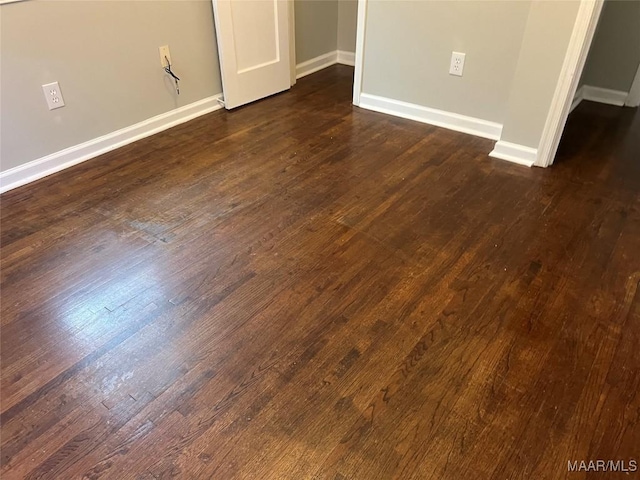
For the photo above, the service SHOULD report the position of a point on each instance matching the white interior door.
(253, 45)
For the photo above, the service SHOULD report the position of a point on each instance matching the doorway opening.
(568, 95)
(608, 90)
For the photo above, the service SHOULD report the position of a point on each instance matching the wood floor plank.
(303, 289)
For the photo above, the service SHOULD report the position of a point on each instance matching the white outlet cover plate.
(53, 95)
(457, 64)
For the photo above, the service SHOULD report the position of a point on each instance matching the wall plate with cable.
(164, 55)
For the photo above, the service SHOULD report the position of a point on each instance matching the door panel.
(253, 44)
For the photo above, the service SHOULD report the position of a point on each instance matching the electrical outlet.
(457, 64)
(164, 55)
(53, 95)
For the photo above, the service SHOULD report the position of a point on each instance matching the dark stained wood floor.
(301, 289)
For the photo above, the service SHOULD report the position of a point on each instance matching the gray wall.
(105, 56)
(544, 46)
(615, 51)
(408, 51)
(515, 51)
(108, 68)
(347, 22)
(316, 28)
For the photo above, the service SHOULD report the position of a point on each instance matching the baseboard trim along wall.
(579, 96)
(513, 152)
(510, 152)
(36, 169)
(600, 95)
(323, 61)
(439, 118)
(347, 58)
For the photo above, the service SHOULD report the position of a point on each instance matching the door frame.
(583, 31)
(359, 60)
(292, 42)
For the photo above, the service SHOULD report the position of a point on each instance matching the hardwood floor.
(301, 289)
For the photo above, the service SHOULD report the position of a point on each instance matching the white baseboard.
(347, 58)
(36, 169)
(439, 118)
(600, 95)
(513, 152)
(323, 61)
(577, 98)
(315, 64)
(604, 95)
(633, 99)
